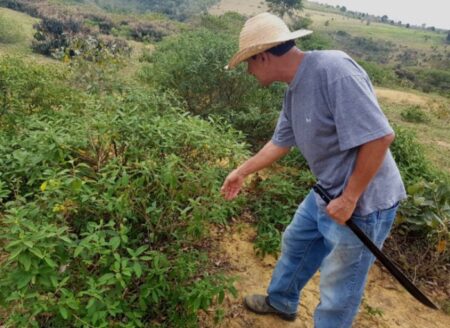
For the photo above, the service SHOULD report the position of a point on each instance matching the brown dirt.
(401, 97)
(386, 304)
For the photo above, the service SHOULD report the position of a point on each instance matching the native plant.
(105, 207)
(192, 65)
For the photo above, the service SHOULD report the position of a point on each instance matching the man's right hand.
(232, 185)
(266, 156)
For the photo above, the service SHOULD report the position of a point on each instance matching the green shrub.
(428, 80)
(378, 74)
(192, 65)
(425, 213)
(273, 203)
(314, 41)
(26, 88)
(410, 157)
(414, 114)
(105, 210)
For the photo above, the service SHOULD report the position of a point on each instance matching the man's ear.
(264, 56)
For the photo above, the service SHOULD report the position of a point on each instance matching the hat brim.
(246, 53)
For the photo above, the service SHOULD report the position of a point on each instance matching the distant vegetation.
(398, 55)
(9, 33)
(176, 9)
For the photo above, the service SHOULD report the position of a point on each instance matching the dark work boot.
(260, 304)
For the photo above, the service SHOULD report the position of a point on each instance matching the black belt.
(401, 278)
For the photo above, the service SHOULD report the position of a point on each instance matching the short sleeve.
(356, 112)
(283, 135)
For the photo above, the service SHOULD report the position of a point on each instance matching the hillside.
(118, 126)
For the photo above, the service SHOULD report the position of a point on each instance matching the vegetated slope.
(175, 9)
(16, 32)
(383, 43)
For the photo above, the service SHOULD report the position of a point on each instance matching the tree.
(282, 7)
(448, 37)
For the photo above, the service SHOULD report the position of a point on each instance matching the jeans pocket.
(363, 218)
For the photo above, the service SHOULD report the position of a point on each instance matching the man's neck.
(289, 65)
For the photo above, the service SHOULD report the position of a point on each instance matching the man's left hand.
(341, 209)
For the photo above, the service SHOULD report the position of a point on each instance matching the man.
(331, 114)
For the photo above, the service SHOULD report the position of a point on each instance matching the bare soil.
(386, 304)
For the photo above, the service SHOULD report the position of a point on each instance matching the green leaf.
(137, 269)
(54, 281)
(64, 313)
(78, 250)
(105, 279)
(140, 250)
(28, 243)
(50, 262)
(66, 239)
(24, 279)
(114, 242)
(90, 303)
(75, 185)
(36, 252)
(26, 261)
(16, 253)
(221, 296)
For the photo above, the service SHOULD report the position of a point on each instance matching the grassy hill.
(395, 44)
(16, 32)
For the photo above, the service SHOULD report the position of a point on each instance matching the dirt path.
(386, 304)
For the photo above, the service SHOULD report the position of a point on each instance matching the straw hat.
(260, 33)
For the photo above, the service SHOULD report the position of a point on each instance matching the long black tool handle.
(400, 276)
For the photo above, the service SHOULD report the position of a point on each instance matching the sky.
(430, 12)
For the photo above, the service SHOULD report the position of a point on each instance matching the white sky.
(431, 12)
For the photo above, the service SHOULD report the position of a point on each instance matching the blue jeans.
(312, 241)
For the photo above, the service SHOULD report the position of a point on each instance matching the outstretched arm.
(265, 157)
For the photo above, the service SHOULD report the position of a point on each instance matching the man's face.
(257, 66)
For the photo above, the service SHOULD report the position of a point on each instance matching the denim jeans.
(314, 241)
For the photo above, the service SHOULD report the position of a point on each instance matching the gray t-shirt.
(330, 109)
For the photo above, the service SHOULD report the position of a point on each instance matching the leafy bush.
(26, 88)
(426, 212)
(65, 36)
(105, 210)
(152, 31)
(378, 74)
(314, 41)
(428, 80)
(410, 157)
(192, 65)
(364, 48)
(273, 203)
(274, 199)
(414, 114)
